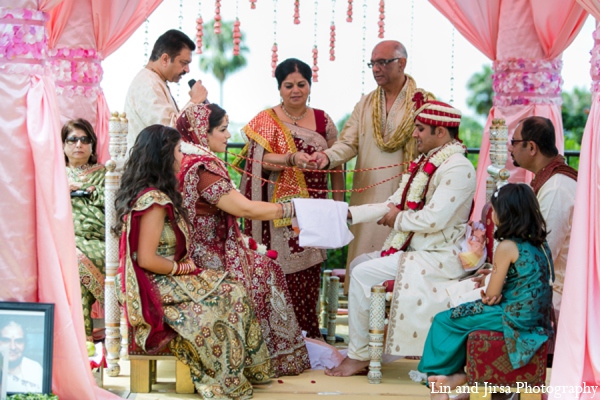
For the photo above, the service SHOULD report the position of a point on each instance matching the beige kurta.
(557, 199)
(356, 139)
(148, 102)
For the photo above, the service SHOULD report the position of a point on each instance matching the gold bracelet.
(279, 214)
(174, 270)
(293, 159)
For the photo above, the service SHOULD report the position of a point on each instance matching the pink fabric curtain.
(82, 34)
(577, 354)
(524, 39)
(38, 244)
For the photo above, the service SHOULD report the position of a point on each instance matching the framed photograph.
(26, 339)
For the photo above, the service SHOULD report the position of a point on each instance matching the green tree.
(575, 109)
(481, 92)
(217, 53)
(471, 132)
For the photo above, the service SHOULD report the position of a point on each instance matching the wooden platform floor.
(313, 384)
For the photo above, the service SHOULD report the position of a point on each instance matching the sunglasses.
(75, 139)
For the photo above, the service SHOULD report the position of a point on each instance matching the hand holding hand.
(304, 161)
(490, 301)
(479, 279)
(198, 93)
(389, 219)
(321, 159)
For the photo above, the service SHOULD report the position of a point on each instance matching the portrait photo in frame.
(26, 335)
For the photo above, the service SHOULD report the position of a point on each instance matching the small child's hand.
(490, 301)
(479, 279)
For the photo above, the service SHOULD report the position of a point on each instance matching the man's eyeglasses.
(82, 139)
(381, 63)
(515, 141)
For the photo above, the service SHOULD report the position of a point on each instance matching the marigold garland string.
(349, 12)
(199, 30)
(274, 48)
(217, 25)
(296, 12)
(332, 33)
(381, 22)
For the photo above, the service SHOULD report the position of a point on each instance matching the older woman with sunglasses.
(86, 183)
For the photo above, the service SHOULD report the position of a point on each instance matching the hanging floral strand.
(296, 12)
(146, 44)
(180, 15)
(252, 4)
(237, 33)
(199, 29)
(274, 48)
(315, 50)
(217, 25)
(381, 22)
(364, 45)
(332, 33)
(349, 12)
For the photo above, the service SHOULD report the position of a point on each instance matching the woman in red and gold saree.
(212, 203)
(203, 315)
(285, 136)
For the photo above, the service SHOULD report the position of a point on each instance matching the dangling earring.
(281, 100)
(308, 102)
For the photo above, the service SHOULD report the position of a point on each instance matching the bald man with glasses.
(378, 133)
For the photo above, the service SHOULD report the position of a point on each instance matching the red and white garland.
(416, 180)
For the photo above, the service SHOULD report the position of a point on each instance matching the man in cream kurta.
(385, 142)
(533, 148)
(149, 100)
(430, 263)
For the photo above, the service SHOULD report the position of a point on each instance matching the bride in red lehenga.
(213, 203)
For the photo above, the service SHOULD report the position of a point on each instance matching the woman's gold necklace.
(294, 119)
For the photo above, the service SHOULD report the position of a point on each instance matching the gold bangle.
(174, 270)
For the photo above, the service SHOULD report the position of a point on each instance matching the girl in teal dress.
(518, 299)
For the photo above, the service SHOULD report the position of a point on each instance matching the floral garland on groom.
(412, 191)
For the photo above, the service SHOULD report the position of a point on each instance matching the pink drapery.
(577, 354)
(38, 244)
(98, 28)
(509, 31)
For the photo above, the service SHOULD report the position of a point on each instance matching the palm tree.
(217, 53)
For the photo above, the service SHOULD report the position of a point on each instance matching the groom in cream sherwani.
(428, 216)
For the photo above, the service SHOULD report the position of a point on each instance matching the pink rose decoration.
(272, 254)
(252, 244)
(429, 168)
(412, 205)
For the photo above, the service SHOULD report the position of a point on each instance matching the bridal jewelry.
(294, 119)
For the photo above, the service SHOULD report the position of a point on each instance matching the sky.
(439, 58)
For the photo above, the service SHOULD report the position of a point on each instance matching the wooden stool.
(488, 363)
(142, 372)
